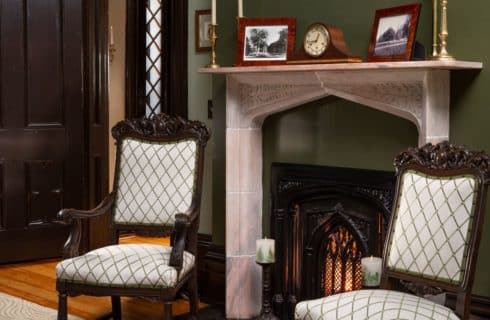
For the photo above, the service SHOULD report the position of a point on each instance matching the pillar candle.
(265, 251)
(240, 8)
(213, 12)
(371, 271)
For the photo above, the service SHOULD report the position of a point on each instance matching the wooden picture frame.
(393, 34)
(202, 24)
(270, 48)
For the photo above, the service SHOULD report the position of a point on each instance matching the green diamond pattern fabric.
(431, 228)
(372, 304)
(156, 181)
(125, 265)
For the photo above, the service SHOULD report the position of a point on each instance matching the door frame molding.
(96, 87)
(174, 68)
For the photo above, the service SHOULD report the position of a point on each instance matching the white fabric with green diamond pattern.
(125, 265)
(372, 304)
(431, 229)
(156, 181)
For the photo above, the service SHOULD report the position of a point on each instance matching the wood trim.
(480, 305)
(97, 106)
(135, 33)
(211, 270)
(174, 66)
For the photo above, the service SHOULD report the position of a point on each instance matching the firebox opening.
(324, 219)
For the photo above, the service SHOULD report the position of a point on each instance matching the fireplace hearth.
(324, 220)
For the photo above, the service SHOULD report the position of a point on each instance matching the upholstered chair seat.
(126, 265)
(372, 304)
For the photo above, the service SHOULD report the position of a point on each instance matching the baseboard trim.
(211, 269)
(480, 305)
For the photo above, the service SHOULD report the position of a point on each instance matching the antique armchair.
(157, 188)
(432, 241)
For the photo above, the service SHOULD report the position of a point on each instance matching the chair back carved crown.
(158, 169)
(437, 215)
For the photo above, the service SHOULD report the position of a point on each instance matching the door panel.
(42, 121)
(44, 58)
(44, 191)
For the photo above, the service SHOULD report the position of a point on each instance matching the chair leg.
(62, 306)
(167, 310)
(194, 296)
(116, 307)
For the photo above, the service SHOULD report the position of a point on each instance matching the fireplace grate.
(342, 264)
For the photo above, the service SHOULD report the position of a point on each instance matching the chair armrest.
(182, 223)
(73, 217)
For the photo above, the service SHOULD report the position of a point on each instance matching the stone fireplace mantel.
(417, 91)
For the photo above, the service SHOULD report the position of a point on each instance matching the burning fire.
(342, 264)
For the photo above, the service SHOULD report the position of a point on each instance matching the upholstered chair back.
(156, 171)
(432, 224)
(155, 181)
(436, 214)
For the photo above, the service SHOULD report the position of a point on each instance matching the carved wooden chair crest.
(157, 187)
(432, 240)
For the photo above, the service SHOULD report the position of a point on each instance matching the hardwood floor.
(35, 281)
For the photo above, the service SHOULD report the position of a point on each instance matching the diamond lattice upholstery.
(372, 304)
(431, 227)
(156, 181)
(126, 265)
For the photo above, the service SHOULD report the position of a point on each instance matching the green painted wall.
(340, 133)
(200, 91)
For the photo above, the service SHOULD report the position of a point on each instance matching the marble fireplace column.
(243, 209)
(247, 105)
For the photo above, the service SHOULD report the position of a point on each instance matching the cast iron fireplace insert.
(324, 220)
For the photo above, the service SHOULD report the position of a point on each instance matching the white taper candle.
(240, 8)
(213, 12)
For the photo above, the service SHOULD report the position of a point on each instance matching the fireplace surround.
(324, 219)
(415, 90)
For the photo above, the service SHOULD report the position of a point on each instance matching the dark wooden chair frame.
(160, 128)
(442, 160)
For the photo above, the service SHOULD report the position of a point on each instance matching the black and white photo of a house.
(265, 43)
(392, 35)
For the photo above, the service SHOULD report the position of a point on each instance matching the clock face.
(317, 40)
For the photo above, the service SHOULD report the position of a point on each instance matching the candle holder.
(435, 45)
(266, 311)
(443, 35)
(213, 37)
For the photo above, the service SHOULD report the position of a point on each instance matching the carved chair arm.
(183, 222)
(74, 217)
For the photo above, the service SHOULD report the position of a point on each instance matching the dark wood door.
(41, 124)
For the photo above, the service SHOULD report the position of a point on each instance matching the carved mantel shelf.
(417, 91)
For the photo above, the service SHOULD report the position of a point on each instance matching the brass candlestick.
(443, 35)
(213, 37)
(435, 46)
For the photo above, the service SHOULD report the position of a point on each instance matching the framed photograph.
(203, 23)
(265, 41)
(393, 34)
